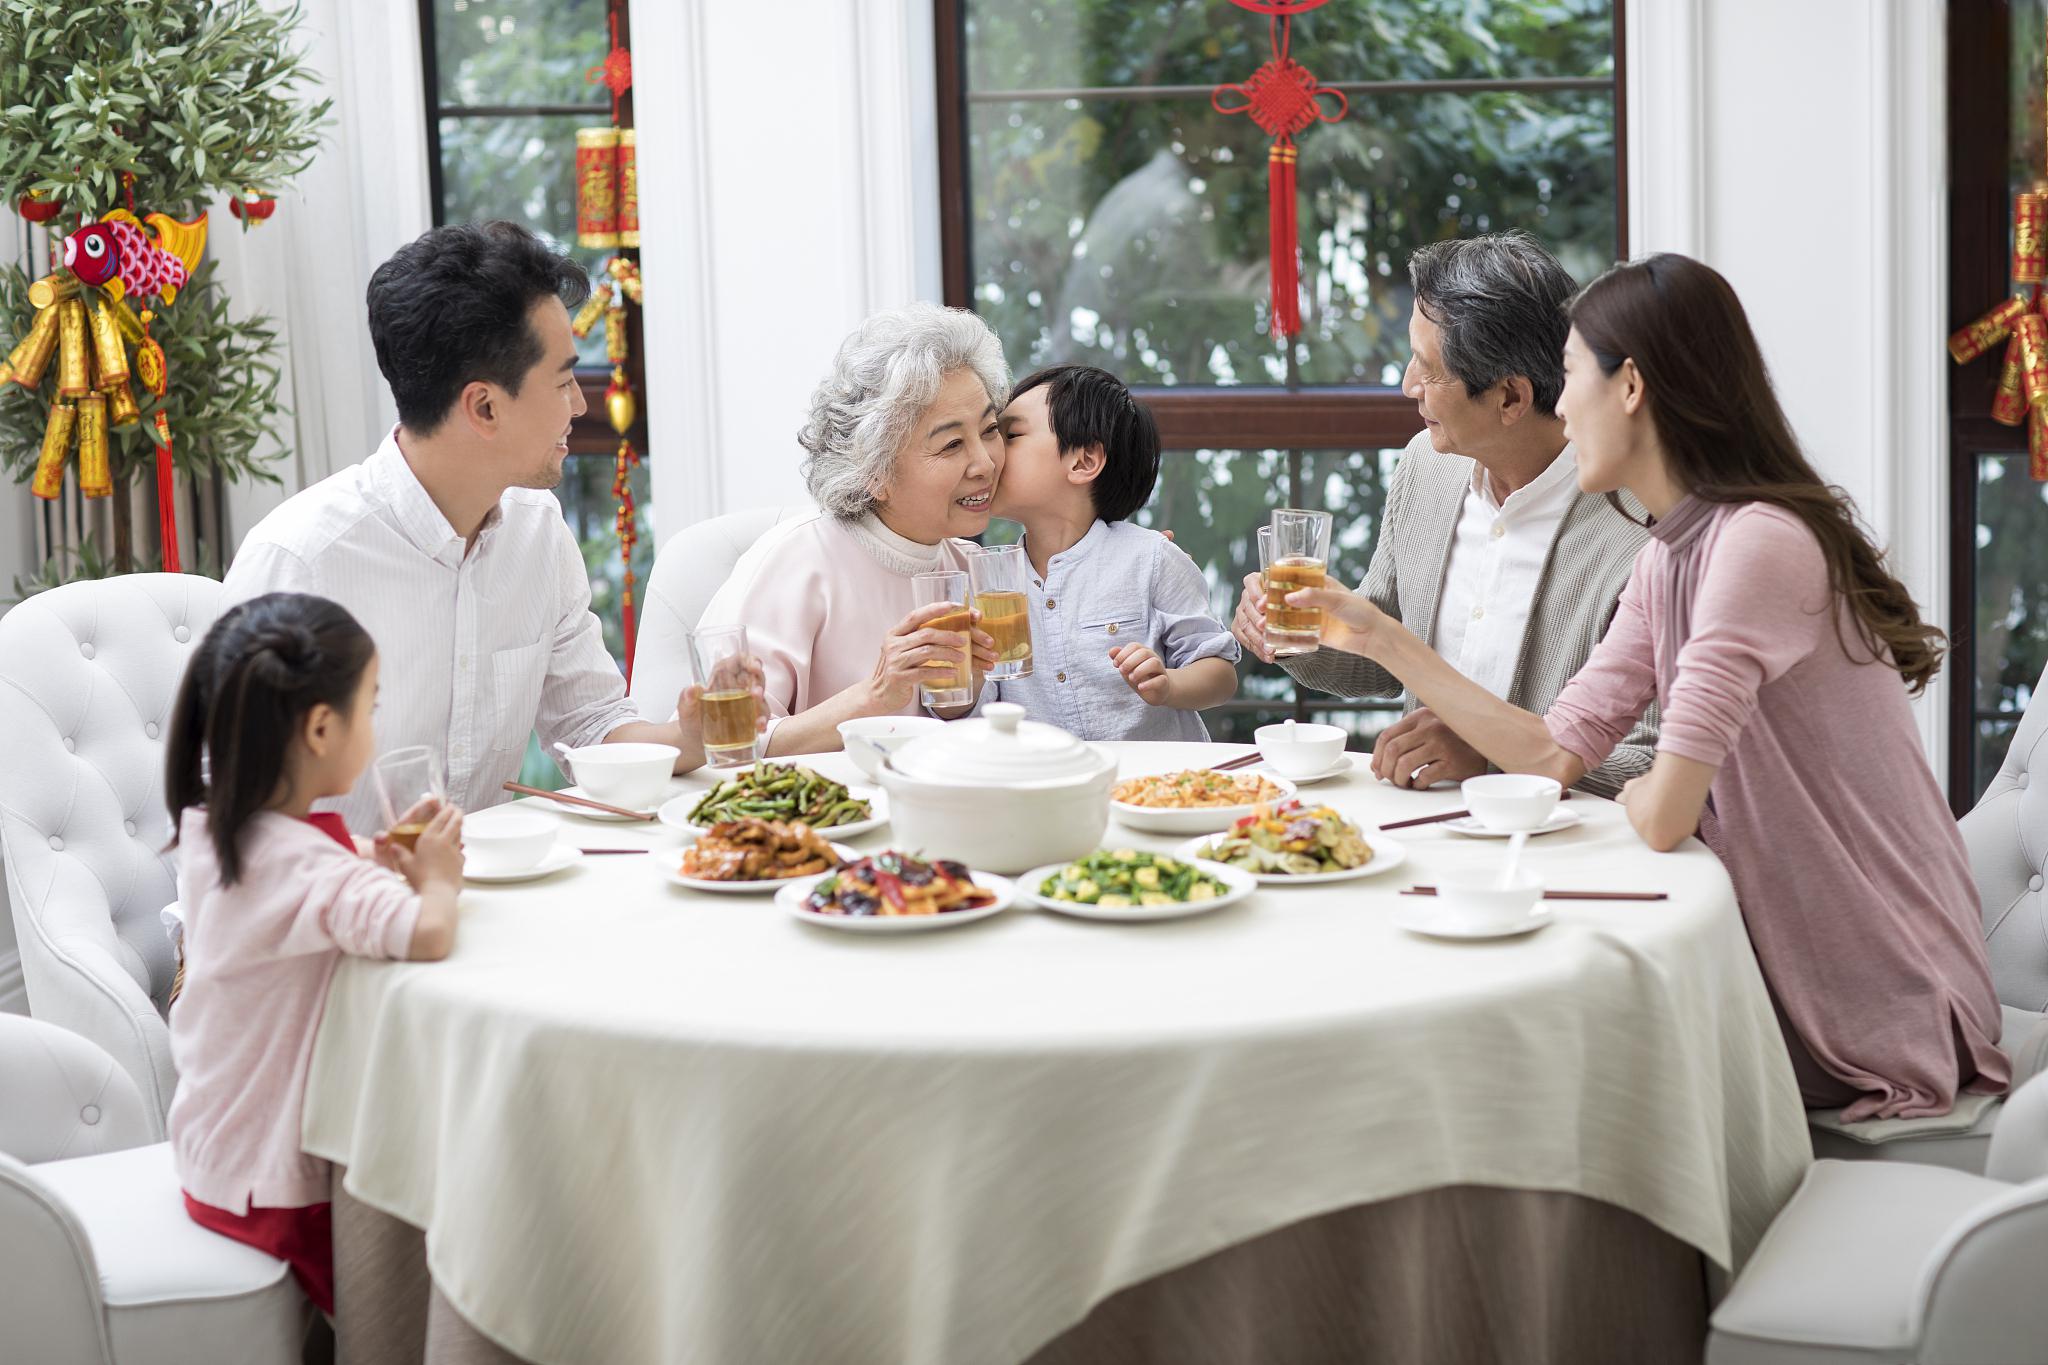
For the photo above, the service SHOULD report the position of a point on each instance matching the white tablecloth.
(644, 1124)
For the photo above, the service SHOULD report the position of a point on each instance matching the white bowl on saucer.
(630, 775)
(507, 841)
(1479, 904)
(870, 739)
(1295, 750)
(1511, 802)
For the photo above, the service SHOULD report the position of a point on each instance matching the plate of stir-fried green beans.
(785, 792)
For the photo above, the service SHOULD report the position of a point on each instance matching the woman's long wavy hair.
(1727, 439)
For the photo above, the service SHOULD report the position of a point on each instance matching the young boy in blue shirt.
(1123, 643)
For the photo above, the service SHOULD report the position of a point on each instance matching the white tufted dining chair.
(689, 570)
(99, 1262)
(2007, 835)
(1900, 1263)
(88, 673)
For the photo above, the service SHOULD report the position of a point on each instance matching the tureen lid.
(1000, 748)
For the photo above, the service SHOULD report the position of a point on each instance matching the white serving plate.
(1194, 820)
(1386, 855)
(672, 870)
(675, 813)
(791, 898)
(1237, 885)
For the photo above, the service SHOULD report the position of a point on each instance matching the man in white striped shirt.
(446, 543)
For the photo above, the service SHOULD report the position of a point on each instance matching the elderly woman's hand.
(1249, 622)
(909, 652)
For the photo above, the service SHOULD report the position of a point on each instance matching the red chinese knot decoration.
(1282, 98)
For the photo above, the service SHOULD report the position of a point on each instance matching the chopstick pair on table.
(524, 790)
(1442, 816)
(1570, 895)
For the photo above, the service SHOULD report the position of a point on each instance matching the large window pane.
(500, 52)
(522, 168)
(1061, 44)
(1133, 232)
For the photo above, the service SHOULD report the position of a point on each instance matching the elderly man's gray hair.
(1500, 301)
(886, 374)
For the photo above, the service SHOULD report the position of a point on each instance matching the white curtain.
(364, 196)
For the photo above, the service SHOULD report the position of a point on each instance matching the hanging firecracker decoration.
(2021, 322)
(608, 216)
(1283, 99)
(84, 323)
(252, 208)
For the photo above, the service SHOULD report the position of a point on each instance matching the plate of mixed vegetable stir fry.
(896, 892)
(1130, 884)
(1292, 842)
(784, 792)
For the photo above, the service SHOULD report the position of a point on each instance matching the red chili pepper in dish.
(891, 889)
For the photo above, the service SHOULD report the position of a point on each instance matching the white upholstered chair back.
(2007, 833)
(88, 673)
(687, 572)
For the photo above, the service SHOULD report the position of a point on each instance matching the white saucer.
(559, 857)
(1421, 918)
(1342, 765)
(1386, 855)
(1564, 817)
(567, 808)
(793, 894)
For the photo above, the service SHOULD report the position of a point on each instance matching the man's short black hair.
(451, 307)
(1090, 407)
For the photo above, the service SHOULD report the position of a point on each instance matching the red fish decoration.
(118, 254)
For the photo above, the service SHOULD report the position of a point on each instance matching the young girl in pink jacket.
(276, 712)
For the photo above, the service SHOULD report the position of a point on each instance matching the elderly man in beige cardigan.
(1487, 549)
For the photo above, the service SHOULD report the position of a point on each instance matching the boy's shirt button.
(1060, 677)
(1050, 604)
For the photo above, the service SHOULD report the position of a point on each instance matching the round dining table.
(636, 1122)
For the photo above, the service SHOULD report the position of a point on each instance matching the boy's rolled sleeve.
(1181, 617)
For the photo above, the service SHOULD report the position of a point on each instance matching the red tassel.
(166, 495)
(1286, 248)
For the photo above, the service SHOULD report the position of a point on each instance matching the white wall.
(775, 223)
(1800, 150)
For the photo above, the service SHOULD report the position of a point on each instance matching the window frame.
(591, 434)
(1979, 152)
(1254, 417)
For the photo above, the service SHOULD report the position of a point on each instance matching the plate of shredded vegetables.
(1294, 843)
(897, 893)
(1131, 884)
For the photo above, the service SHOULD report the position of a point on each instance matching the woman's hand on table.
(1248, 623)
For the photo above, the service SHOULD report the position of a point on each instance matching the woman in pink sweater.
(1781, 650)
(276, 712)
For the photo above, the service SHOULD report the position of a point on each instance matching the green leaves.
(195, 98)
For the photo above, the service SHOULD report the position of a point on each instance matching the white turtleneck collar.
(897, 553)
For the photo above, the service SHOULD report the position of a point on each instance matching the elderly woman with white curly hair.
(904, 454)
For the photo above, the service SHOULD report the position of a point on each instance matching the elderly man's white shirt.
(476, 650)
(1497, 558)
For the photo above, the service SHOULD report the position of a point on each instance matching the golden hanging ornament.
(31, 355)
(49, 481)
(95, 473)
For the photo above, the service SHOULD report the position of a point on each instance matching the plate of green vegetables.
(784, 792)
(1132, 884)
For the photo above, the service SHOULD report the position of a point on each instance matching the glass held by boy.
(1123, 641)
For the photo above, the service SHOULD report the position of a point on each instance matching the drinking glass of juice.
(948, 679)
(998, 573)
(1294, 554)
(726, 669)
(410, 789)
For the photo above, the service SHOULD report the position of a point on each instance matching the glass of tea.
(949, 679)
(1294, 553)
(410, 789)
(726, 670)
(998, 574)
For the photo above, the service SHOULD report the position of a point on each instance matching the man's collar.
(418, 517)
